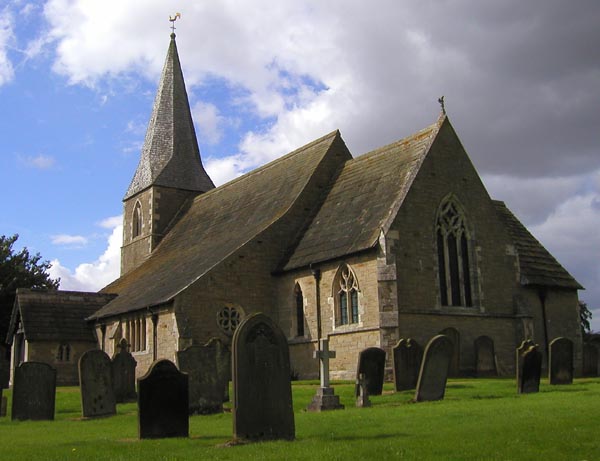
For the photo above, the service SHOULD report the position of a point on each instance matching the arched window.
(299, 298)
(64, 353)
(347, 296)
(136, 222)
(453, 255)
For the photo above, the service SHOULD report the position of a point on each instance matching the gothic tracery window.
(228, 319)
(347, 296)
(136, 223)
(453, 256)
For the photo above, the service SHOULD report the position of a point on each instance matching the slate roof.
(537, 265)
(217, 224)
(56, 315)
(170, 155)
(364, 199)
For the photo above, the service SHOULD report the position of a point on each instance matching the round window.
(228, 319)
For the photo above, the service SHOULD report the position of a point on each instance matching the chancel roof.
(537, 265)
(170, 155)
(53, 315)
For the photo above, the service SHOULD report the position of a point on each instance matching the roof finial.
(173, 19)
(441, 101)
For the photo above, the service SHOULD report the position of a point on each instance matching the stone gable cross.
(324, 354)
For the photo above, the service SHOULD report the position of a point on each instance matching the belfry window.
(347, 296)
(299, 302)
(136, 222)
(453, 256)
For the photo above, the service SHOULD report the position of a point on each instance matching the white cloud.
(40, 162)
(6, 36)
(69, 240)
(208, 122)
(97, 274)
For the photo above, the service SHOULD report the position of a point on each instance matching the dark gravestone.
(434, 369)
(485, 357)
(34, 391)
(262, 401)
(454, 336)
(530, 370)
(207, 376)
(4, 368)
(525, 344)
(95, 381)
(123, 374)
(561, 361)
(407, 361)
(590, 360)
(371, 363)
(163, 402)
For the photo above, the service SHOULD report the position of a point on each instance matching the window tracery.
(347, 296)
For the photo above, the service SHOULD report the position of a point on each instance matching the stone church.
(403, 241)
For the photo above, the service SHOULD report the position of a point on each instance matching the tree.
(585, 315)
(19, 270)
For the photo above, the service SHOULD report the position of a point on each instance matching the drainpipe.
(543, 294)
(316, 272)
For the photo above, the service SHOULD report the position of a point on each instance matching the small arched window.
(64, 353)
(136, 222)
(299, 301)
(453, 249)
(347, 296)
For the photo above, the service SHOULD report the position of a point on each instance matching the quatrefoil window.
(228, 319)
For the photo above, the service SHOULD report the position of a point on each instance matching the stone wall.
(67, 373)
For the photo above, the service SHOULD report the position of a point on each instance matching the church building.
(400, 242)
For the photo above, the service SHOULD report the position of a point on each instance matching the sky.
(521, 82)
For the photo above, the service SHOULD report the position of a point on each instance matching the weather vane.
(441, 101)
(173, 19)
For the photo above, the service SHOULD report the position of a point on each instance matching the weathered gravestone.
(530, 370)
(362, 400)
(163, 402)
(122, 369)
(34, 391)
(4, 368)
(206, 367)
(371, 363)
(590, 360)
(95, 382)
(434, 369)
(560, 370)
(525, 344)
(325, 398)
(407, 361)
(262, 391)
(485, 357)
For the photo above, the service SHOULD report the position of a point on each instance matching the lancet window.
(136, 222)
(135, 333)
(299, 301)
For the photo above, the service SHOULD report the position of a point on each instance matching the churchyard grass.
(480, 419)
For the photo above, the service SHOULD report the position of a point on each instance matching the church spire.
(170, 155)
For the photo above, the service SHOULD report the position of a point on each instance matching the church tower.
(170, 172)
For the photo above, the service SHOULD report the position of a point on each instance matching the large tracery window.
(453, 256)
(136, 222)
(347, 296)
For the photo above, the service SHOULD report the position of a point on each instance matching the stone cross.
(324, 354)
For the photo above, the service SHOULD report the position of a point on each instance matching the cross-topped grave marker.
(324, 399)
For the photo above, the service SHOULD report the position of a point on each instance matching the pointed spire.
(170, 155)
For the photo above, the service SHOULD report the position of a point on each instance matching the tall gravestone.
(163, 405)
(485, 357)
(407, 361)
(262, 400)
(434, 369)
(590, 360)
(525, 344)
(34, 391)
(123, 374)
(371, 363)
(207, 376)
(95, 382)
(560, 370)
(530, 370)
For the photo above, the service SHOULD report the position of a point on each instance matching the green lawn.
(479, 419)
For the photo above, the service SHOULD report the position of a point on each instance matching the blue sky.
(78, 77)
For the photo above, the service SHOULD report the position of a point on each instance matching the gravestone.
(95, 382)
(434, 369)
(207, 376)
(325, 398)
(362, 400)
(3, 404)
(407, 361)
(530, 370)
(262, 401)
(34, 391)
(163, 404)
(525, 344)
(4, 368)
(485, 357)
(122, 369)
(560, 370)
(590, 360)
(371, 362)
